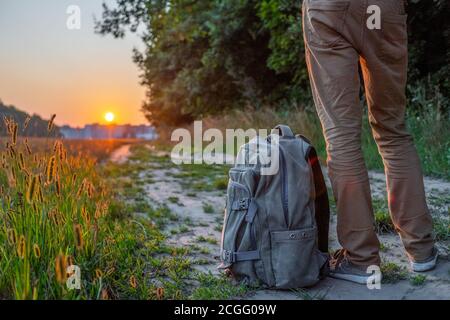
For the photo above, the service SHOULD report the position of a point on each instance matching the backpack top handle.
(284, 131)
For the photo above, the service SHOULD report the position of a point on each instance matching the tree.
(36, 127)
(205, 57)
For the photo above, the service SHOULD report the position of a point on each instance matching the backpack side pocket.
(239, 244)
(294, 260)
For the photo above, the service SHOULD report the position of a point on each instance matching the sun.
(109, 117)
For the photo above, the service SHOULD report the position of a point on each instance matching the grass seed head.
(58, 185)
(21, 247)
(12, 236)
(51, 169)
(98, 273)
(61, 268)
(31, 190)
(160, 293)
(50, 123)
(70, 261)
(133, 282)
(40, 195)
(36, 251)
(85, 215)
(78, 233)
(27, 147)
(15, 128)
(26, 123)
(74, 179)
(21, 161)
(12, 152)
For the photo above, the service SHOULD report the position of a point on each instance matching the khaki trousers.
(338, 41)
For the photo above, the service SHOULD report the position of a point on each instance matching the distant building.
(98, 131)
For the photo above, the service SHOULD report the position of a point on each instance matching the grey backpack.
(275, 229)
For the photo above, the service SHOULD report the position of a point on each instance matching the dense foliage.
(204, 57)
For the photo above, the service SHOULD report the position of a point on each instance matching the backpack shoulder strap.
(322, 207)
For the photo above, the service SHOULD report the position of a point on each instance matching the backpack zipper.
(284, 185)
(284, 188)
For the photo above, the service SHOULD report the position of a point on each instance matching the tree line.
(205, 57)
(29, 125)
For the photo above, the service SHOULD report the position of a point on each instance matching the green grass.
(184, 229)
(201, 262)
(221, 183)
(202, 177)
(438, 198)
(418, 280)
(204, 250)
(209, 240)
(383, 222)
(174, 200)
(217, 288)
(393, 273)
(188, 221)
(441, 228)
(208, 208)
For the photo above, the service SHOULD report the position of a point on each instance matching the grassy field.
(56, 210)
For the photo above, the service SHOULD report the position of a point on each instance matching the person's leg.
(384, 66)
(333, 69)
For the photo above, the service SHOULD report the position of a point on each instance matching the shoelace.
(337, 258)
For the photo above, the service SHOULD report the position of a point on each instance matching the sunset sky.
(46, 68)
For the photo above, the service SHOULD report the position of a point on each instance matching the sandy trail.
(203, 229)
(121, 154)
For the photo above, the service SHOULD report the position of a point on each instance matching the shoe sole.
(424, 267)
(350, 277)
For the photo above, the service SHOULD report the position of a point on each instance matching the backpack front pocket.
(294, 261)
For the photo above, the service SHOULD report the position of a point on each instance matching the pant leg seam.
(411, 218)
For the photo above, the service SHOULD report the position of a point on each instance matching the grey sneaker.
(427, 264)
(341, 268)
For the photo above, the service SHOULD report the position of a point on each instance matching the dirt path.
(121, 154)
(200, 212)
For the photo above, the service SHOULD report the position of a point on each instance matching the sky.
(47, 68)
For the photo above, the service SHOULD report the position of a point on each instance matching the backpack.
(276, 226)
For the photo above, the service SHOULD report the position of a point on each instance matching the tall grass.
(429, 128)
(428, 120)
(59, 208)
(53, 214)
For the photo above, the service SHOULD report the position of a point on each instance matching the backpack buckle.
(241, 204)
(228, 256)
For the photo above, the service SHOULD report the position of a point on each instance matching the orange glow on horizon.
(80, 75)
